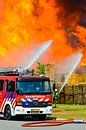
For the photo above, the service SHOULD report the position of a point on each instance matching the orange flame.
(25, 21)
(80, 33)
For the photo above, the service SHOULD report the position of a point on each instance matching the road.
(16, 125)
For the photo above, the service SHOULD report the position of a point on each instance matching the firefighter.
(54, 94)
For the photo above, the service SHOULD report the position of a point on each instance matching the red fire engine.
(22, 94)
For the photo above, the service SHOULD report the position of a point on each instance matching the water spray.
(40, 50)
(78, 58)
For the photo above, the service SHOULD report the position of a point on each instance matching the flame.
(26, 23)
(80, 33)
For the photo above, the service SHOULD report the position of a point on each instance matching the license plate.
(35, 110)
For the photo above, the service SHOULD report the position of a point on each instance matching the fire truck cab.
(24, 95)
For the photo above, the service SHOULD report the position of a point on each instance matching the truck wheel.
(7, 113)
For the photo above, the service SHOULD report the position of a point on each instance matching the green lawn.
(69, 111)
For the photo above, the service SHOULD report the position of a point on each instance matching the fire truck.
(24, 94)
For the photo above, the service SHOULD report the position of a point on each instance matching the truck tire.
(7, 113)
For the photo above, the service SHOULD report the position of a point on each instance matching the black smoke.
(69, 6)
(72, 7)
(72, 10)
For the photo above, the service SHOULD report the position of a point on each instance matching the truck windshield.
(31, 87)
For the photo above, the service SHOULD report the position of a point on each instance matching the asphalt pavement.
(16, 125)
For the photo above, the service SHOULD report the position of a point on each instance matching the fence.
(73, 95)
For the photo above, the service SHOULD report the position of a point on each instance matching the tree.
(40, 70)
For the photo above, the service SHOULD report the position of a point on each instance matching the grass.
(69, 111)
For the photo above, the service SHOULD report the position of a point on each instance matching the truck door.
(10, 86)
(1, 91)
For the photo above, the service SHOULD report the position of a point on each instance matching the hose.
(52, 122)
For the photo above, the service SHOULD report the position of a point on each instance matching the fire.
(80, 33)
(24, 23)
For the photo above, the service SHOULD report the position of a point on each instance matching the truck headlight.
(49, 103)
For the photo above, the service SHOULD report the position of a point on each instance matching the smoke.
(72, 13)
(72, 6)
